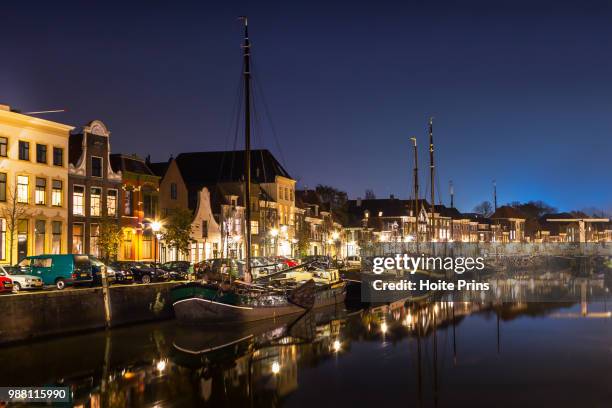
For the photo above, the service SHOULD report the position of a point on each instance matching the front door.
(22, 246)
(22, 240)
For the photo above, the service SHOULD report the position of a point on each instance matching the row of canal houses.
(58, 181)
(393, 220)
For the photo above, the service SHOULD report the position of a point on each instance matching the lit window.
(23, 185)
(94, 232)
(147, 244)
(111, 202)
(127, 209)
(56, 193)
(127, 245)
(78, 200)
(2, 186)
(254, 227)
(40, 196)
(95, 199)
(2, 239)
(96, 166)
(56, 237)
(77, 238)
(41, 153)
(39, 237)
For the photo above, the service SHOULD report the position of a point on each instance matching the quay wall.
(27, 316)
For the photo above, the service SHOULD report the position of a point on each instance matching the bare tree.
(13, 211)
(485, 209)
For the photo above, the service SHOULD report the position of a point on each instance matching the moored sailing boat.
(244, 301)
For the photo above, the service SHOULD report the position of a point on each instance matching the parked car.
(288, 262)
(123, 277)
(96, 270)
(21, 281)
(6, 284)
(142, 272)
(352, 261)
(318, 261)
(59, 270)
(177, 270)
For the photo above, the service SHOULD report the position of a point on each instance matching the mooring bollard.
(106, 297)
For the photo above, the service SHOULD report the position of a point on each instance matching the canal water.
(445, 354)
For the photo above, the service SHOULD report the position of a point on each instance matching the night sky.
(521, 91)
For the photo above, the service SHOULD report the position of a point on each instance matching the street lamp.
(156, 227)
(274, 234)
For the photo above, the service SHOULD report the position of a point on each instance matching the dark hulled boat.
(209, 303)
(243, 301)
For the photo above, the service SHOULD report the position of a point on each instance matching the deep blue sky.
(521, 90)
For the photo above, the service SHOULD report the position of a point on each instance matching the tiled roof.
(159, 168)
(131, 164)
(205, 168)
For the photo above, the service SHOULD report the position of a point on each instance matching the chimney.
(5, 107)
(391, 196)
(358, 202)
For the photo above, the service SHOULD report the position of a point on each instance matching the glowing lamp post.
(156, 227)
(274, 234)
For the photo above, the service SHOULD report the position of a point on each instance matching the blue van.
(59, 270)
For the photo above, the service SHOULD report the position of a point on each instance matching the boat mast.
(416, 190)
(495, 195)
(431, 178)
(246, 48)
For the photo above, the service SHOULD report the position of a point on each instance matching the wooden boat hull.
(199, 310)
(330, 294)
(197, 306)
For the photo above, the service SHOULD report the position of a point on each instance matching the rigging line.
(259, 125)
(438, 186)
(269, 116)
(234, 123)
(263, 164)
(237, 131)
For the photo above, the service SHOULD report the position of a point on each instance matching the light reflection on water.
(428, 353)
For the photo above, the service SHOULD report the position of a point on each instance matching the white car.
(21, 281)
(352, 261)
